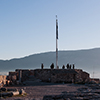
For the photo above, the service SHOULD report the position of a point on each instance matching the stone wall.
(26, 73)
(61, 75)
(13, 76)
(50, 75)
(82, 76)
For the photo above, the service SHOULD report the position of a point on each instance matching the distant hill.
(87, 60)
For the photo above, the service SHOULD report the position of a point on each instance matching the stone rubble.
(10, 92)
(92, 92)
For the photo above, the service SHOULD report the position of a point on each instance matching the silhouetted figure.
(63, 67)
(73, 66)
(42, 66)
(70, 67)
(67, 66)
(52, 66)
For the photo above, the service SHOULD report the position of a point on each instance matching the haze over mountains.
(88, 60)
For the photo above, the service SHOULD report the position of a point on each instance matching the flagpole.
(56, 54)
(56, 43)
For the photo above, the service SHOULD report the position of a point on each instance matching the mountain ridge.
(49, 52)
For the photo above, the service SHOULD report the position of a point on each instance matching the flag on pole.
(56, 29)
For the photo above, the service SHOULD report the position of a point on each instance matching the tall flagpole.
(56, 43)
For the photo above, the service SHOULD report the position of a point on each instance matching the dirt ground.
(37, 91)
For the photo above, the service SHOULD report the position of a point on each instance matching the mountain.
(88, 60)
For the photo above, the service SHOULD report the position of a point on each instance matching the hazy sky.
(28, 26)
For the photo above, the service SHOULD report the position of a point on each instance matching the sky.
(29, 26)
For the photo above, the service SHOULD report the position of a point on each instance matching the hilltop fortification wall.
(49, 75)
(61, 75)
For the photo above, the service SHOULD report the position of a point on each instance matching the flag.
(56, 29)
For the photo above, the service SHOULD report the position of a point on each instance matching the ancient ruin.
(48, 75)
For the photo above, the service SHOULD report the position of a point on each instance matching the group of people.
(69, 66)
(63, 67)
